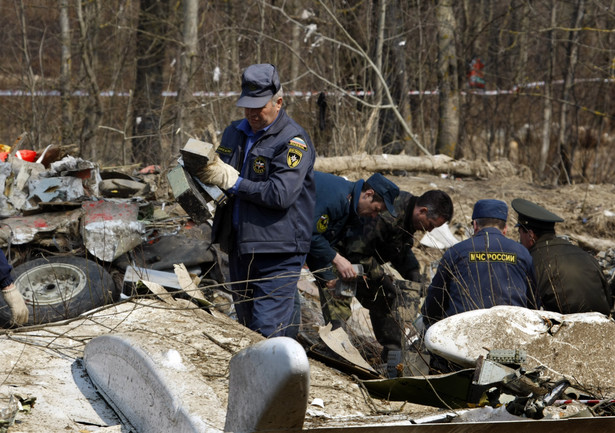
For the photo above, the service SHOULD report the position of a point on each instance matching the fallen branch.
(437, 164)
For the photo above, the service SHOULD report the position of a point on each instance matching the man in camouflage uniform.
(388, 239)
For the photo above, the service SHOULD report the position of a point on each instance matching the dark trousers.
(264, 289)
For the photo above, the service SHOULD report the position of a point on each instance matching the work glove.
(13, 298)
(218, 173)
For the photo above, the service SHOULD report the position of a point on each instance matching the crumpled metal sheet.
(25, 229)
(110, 229)
(52, 189)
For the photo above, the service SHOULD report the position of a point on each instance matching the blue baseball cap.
(385, 189)
(258, 85)
(490, 208)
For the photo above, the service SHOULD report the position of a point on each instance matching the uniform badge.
(486, 256)
(323, 223)
(294, 157)
(298, 142)
(224, 150)
(259, 165)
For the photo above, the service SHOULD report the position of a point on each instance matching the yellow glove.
(218, 173)
(13, 298)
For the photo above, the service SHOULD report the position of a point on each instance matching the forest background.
(128, 82)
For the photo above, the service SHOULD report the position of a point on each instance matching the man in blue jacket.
(265, 163)
(486, 270)
(340, 204)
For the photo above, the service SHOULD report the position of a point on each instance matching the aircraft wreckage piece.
(55, 226)
(268, 387)
(110, 229)
(150, 386)
(576, 346)
(152, 389)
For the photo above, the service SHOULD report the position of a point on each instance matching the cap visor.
(253, 102)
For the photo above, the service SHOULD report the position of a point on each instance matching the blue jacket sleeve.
(5, 271)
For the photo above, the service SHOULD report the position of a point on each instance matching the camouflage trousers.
(392, 308)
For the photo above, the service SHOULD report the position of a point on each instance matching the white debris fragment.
(172, 359)
(318, 402)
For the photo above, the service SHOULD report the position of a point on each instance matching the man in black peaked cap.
(569, 279)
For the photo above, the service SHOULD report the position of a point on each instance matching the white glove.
(218, 173)
(13, 298)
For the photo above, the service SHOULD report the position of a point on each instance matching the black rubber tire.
(58, 288)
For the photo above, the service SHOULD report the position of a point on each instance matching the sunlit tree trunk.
(88, 14)
(183, 127)
(566, 150)
(547, 108)
(369, 140)
(65, 76)
(448, 122)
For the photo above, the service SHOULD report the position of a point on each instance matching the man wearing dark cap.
(389, 239)
(569, 279)
(485, 270)
(265, 164)
(341, 204)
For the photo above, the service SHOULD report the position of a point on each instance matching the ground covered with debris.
(209, 341)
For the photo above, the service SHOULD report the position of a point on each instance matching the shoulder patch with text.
(259, 165)
(293, 158)
(298, 142)
(484, 256)
(224, 150)
(323, 223)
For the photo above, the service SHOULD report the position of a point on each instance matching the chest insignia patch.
(224, 150)
(293, 158)
(259, 165)
(323, 223)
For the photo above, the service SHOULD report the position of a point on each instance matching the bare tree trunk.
(548, 99)
(233, 50)
(65, 75)
(146, 144)
(393, 139)
(88, 18)
(183, 126)
(29, 76)
(572, 54)
(295, 7)
(371, 128)
(448, 123)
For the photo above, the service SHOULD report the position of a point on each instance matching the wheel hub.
(51, 283)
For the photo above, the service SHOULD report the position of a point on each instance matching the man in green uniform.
(569, 279)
